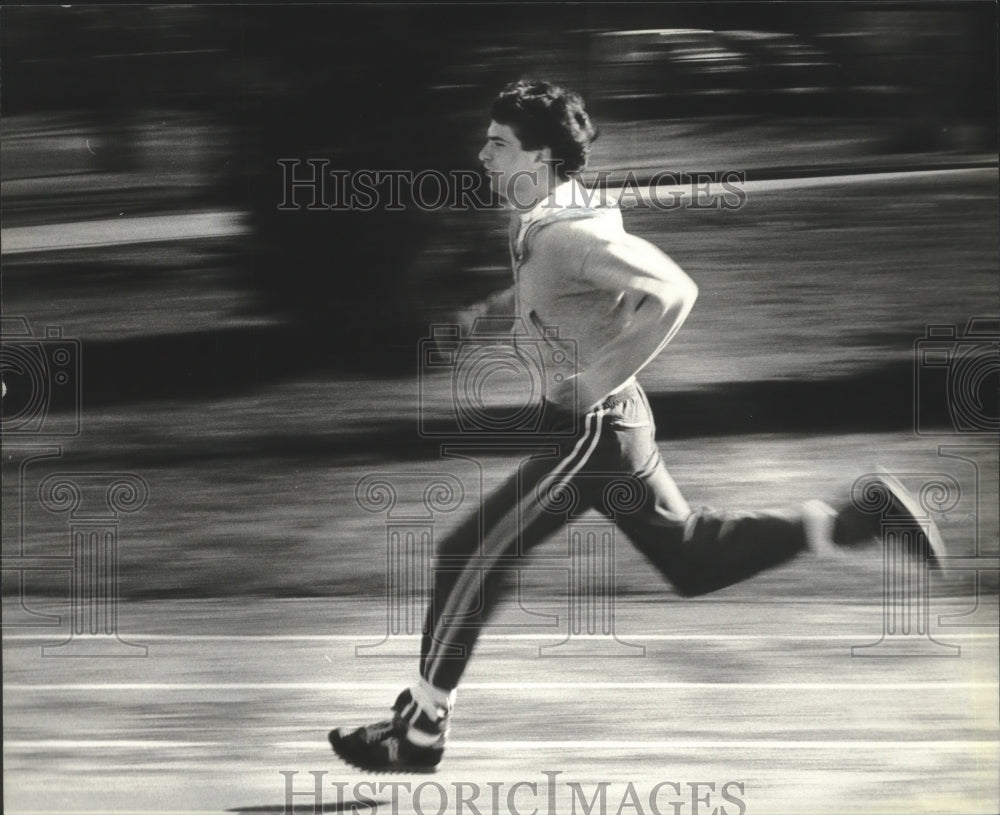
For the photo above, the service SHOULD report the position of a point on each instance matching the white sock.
(435, 702)
(818, 520)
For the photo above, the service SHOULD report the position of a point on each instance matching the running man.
(620, 300)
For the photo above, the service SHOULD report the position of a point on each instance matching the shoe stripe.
(410, 712)
(429, 724)
(422, 739)
(497, 540)
(432, 713)
(421, 720)
(411, 715)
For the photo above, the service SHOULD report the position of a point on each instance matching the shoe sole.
(336, 743)
(935, 543)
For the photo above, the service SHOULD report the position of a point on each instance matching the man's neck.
(532, 189)
(526, 201)
(562, 194)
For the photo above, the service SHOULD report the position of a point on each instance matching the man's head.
(536, 127)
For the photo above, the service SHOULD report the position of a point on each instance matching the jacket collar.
(568, 201)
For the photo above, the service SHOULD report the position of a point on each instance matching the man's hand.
(498, 305)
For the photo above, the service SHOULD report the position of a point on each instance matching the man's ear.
(544, 156)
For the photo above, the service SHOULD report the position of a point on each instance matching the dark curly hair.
(544, 115)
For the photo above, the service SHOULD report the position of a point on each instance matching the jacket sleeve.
(499, 306)
(656, 296)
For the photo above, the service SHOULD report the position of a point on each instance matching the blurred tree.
(406, 87)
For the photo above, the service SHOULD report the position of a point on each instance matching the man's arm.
(499, 305)
(658, 296)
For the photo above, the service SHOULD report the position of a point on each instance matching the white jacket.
(608, 299)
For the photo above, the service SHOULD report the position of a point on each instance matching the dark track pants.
(612, 453)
